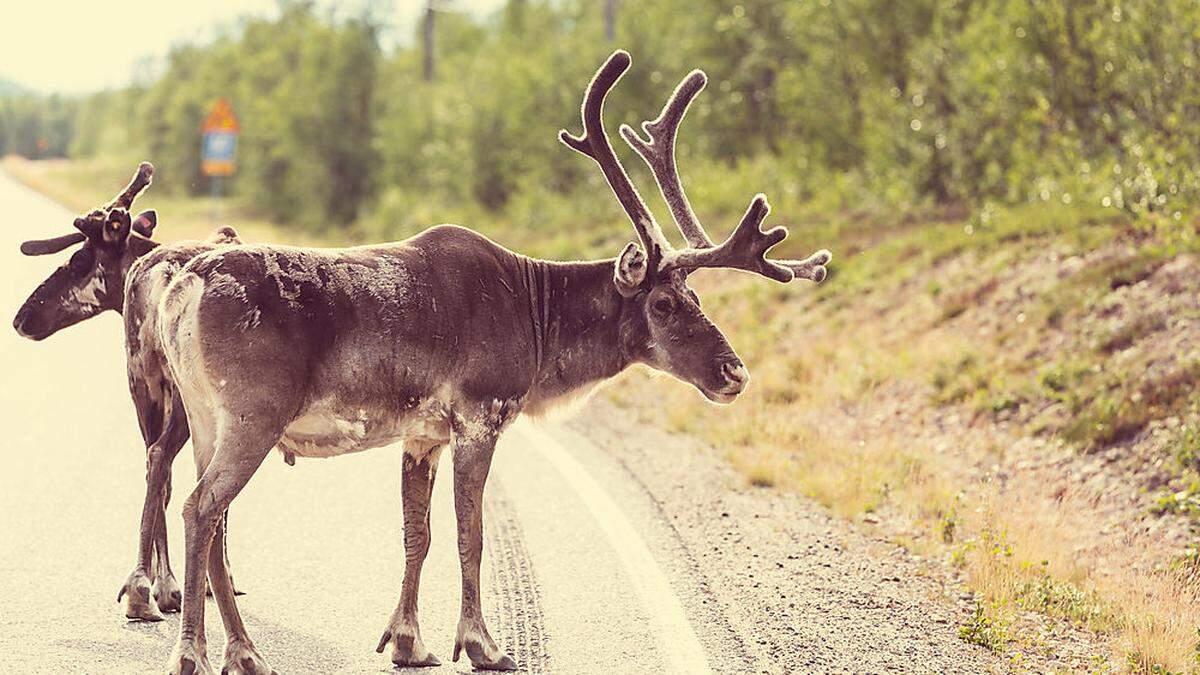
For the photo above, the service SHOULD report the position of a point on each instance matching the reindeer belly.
(325, 433)
(329, 431)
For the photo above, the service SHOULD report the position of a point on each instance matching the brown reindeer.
(443, 338)
(120, 268)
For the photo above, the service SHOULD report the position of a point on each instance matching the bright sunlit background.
(71, 47)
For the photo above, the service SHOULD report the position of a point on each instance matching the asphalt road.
(570, 583)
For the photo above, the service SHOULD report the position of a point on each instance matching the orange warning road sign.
(221, 118)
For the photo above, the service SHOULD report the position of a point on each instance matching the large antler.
(659, 155)
(746, 249)
(594, 143)
(141, 180)
(93, 223)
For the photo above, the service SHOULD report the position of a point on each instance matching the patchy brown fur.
(441, 339)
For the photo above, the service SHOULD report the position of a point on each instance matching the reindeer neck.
(577, 318)
(136, 247)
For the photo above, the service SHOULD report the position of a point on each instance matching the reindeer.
(444, 337)
(120, 268)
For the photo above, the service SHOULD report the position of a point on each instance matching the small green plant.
(1005, 401)
(962, 379)
(1054, 597)
(1187, 448)
(1054, 378)
(1185, 501)
(948, 526)
(1138, 664)
(984, 631)
(1063, 379)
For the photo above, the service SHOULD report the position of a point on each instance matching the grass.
(1125, 335)
(912, 316)
(937, 314)
(1119, 411)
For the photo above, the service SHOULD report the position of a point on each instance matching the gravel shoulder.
(797, 589)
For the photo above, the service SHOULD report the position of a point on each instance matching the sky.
(75, 47)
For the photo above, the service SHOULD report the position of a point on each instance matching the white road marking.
(676, 637)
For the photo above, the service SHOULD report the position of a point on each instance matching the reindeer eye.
(662, 306)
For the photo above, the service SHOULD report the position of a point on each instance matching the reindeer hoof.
(139, 602)
(242, 658)
(187, 659)
(167, 594)
(480, 659)
(408, 650)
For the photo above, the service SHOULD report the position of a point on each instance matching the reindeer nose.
(22, 325)
(736, 374)
(19, 322)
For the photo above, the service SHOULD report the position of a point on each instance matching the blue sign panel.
(220, 145)
(217, 153)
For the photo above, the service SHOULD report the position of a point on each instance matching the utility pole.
(610, 20)
(427, 65)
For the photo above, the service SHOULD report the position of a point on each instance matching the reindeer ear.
(630, 270)
(145, 223)
(117, 226)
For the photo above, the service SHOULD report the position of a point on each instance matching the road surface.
(596, 560)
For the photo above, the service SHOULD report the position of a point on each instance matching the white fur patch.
(329, 429)
(91, 295)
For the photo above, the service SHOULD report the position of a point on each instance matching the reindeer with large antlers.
(120, 268)
(443, 338)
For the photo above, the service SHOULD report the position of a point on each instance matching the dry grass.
(822, 418)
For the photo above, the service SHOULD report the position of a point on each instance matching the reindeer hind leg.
(167, 593)
(403, 631)
(238, 454)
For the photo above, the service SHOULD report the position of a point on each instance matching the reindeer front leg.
(403, 630)
(472, 461)
(143, 598)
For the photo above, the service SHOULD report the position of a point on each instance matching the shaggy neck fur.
(136, 246)
(583, 329)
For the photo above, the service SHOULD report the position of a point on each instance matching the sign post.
(219, 149)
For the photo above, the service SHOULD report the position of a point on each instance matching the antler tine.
(594, 143)
(54, 245)
(746, 250)
(659, 155)
(141, 179)
(811, 268)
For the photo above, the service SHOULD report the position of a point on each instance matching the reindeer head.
(93, 280)
(674, 334)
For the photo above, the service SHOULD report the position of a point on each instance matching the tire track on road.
(517, 614)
